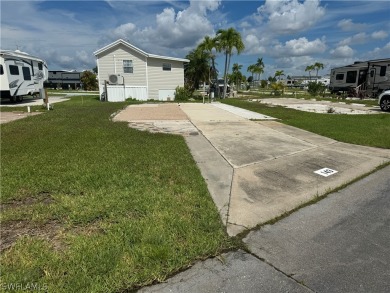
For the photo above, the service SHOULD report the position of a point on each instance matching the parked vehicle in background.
(362, 79)
(21, 74)
(384, 101)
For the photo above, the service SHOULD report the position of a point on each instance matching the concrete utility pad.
(321, 106)
(231, 272)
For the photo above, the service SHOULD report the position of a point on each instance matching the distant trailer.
(21, 74)
(368, 78)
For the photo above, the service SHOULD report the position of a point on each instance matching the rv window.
(13, 70)
(383, 71)
(340, 76)
(1, 70)
(351, 76)
(26, 73)
(40, 67)
(127, 66)
(166, 66)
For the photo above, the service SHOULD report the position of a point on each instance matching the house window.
(127, 66)
(167, 66)
(351, 76)
(383, 71)
(13, 70)
(340, 76)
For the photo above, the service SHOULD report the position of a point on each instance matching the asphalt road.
(341, 244)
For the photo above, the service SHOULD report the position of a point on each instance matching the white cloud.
(291, 16)
(360, 38)
(379, 35)
(182, 29)
(124, 30)
(299, 47)
(349, 25)
(253, 45)
(342, 52)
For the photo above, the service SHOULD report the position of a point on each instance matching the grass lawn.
(370, 130)
(100, 207)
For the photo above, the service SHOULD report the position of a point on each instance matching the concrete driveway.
(259, 170)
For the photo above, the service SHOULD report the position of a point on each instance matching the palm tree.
(198, 69)
(208, 45)
(309, 68)
(279, 73)
(237, 73)
(317, 66)
(251, 68)
(259, 67)
(226, 41)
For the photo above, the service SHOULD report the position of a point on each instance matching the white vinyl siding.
(111, 62)
(164, 80)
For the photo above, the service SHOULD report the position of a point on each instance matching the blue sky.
(287, 34)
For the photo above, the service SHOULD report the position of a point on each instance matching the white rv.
(368, 78)
(21, 74)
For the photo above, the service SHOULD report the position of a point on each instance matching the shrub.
(316, 88)
(182, 94)
(277, 88)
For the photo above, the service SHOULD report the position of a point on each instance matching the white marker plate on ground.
(325, 172)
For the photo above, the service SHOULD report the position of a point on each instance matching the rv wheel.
(19, 98)
(385, 103)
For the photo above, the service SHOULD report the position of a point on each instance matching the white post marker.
(326, 172)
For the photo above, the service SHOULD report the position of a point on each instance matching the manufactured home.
(21, 74)
(125, 71)
(368, 78)
(64, 79)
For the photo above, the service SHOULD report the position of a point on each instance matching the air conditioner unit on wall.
(114, 78)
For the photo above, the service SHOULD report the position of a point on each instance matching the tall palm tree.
(317, 66)
(309, 68)
(259, 67)
(208, 45)
(226, 41)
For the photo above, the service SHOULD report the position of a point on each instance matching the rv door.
(371, 79)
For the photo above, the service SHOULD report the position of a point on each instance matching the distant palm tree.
(309, 68)
(226, 41)
(317, 66)
(279, 73)
(251, 69)
(237, 73)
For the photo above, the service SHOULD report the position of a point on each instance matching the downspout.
(147, 77)
(114, 64)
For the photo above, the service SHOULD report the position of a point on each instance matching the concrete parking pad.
(257, 170)
(12, 116)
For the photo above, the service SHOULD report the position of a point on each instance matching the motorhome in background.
(21, 74)
(362, 79)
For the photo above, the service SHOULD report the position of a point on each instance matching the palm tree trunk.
(225, 75)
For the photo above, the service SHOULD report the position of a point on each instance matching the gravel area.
(151, 112)
(11, 116)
